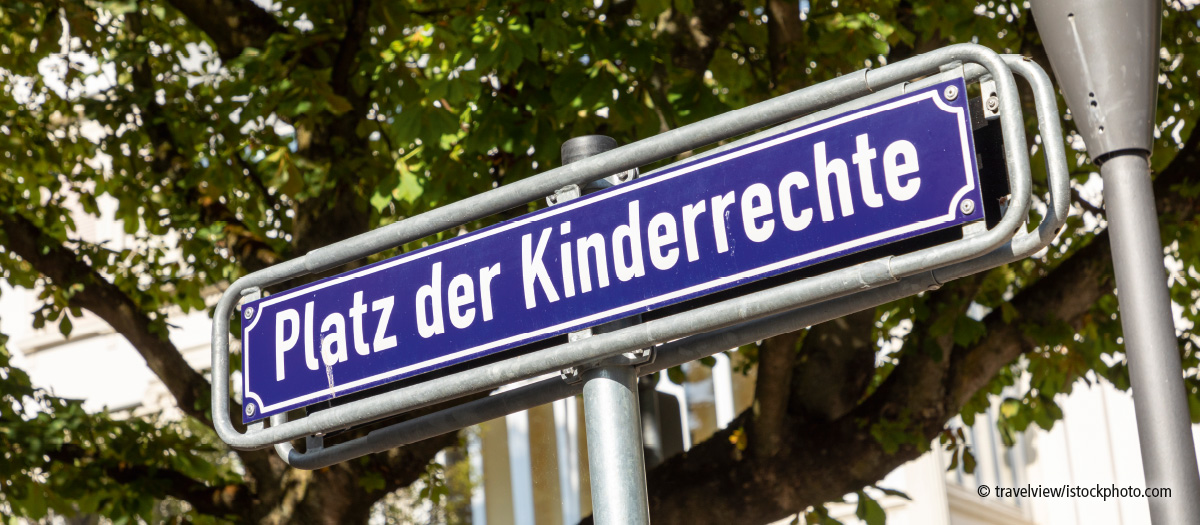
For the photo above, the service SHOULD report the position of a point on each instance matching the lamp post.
(1105, 56)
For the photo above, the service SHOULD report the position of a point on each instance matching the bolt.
(967, 206)
(993, 102)
(951, 92)
(637, 355)
(249, 409)
(248, 312)
(570, 375)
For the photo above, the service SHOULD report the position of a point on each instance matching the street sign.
(782, 201)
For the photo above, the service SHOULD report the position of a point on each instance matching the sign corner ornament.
(776, 202)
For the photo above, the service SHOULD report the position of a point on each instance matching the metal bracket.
(564, 194)
(624, 176)
(574, 374)
(248, 295)
(990, 99)
(950, 66)
(314, 442)
(974, 228)
(637, 358)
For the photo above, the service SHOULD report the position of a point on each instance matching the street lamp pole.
(1105, 57)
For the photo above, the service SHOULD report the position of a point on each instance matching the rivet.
(967, 206)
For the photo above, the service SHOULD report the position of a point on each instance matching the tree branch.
(772, 388)
(834, 368)
(148, 336)
(345, 65)
(220, 501)
(1084, 203)
(250, 249)
(699, 36)
(233, 25)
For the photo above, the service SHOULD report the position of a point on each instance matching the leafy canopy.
(223, 150)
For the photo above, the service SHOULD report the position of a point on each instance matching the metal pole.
(614, 442)
(1155, 372)
(612, 422)
(1111, 87)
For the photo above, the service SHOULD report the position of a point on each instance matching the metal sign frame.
(697, 346)
(682, 337)
(520, 307)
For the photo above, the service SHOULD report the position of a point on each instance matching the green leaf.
(869, 510)
(371, 481)
(1009, 407)
(410, 188)
(968, 461)
(120, 7)
(893, 492)
(381, 199)
(967, 331)
(65, 326)
(676, 375)
(337, 103)
(1008, 312)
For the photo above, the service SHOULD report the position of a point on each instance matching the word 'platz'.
(774, 203)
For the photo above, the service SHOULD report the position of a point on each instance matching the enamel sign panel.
(781, 201)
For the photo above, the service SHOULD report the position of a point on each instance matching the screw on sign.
(967, 206)
(951, 92)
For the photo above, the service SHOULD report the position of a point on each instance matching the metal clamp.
(564, 194)
(990, 99)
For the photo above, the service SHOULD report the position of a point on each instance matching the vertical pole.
(612, 424)
(610, 407)
(1155, 372)
(1111, 86)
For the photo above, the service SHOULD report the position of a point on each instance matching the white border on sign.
(333, 391)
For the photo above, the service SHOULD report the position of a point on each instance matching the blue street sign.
(782, 201)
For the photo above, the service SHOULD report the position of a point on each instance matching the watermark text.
(1072, 491)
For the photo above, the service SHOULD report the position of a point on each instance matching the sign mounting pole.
(1110, 85)
(616, 461)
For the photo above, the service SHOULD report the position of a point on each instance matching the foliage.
(59, 458)
(224, 149)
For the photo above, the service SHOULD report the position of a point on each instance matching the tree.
(234, 137)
